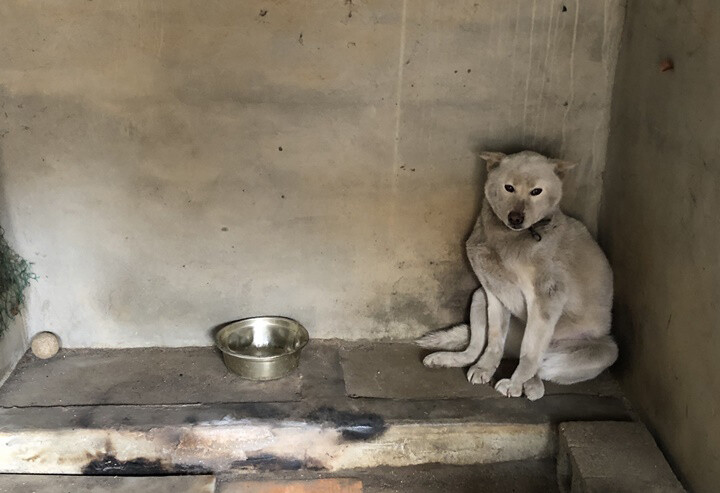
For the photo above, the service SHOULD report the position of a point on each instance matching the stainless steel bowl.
(262, 348)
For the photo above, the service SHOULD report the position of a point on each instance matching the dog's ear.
(492, 159)
(562, 167)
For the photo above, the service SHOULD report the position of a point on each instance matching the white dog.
(545, 285)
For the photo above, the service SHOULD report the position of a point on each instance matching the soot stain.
(84, 420)
(269, 462)
(109, 465)
(189, 469)
(353, 426)
(261, 410)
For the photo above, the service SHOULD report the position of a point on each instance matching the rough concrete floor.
(381, 376)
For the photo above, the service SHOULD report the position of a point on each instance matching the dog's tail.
(453, 339)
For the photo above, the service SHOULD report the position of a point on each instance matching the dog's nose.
(516, 218)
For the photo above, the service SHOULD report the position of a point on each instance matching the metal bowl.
(262, 348)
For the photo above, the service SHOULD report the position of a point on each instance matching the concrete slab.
(516, 476)
(25, 483)
(343, 411)
(395, 371)
(530, 476)
(612, 456)
(137, 376)
(323, 396)
(384, 370)
(322, 375)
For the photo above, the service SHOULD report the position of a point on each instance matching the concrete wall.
(661, 227)
(173, 165)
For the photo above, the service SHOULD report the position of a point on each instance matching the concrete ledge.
(253, 445)
(606, 456)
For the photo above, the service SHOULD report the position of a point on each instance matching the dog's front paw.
(509, 388)
(478, 374)
(534, 389)
(447, 359)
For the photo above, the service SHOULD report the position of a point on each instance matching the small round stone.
(45, 345)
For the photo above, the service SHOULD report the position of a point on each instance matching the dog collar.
(539, 224)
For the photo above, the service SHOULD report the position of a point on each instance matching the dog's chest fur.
(517, 262)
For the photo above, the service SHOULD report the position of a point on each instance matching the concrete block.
(611, 456)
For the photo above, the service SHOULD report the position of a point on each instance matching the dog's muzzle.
(516, 219)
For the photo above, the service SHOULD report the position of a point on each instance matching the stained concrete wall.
(174, 165)
(661, 228)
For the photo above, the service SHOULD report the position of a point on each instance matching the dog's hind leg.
(575, 360)
(478, 328)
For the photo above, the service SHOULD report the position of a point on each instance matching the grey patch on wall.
(457, 283)
(396, 307)
(446, 301)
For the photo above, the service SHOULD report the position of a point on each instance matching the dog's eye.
(536, 191)
(510, 188)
